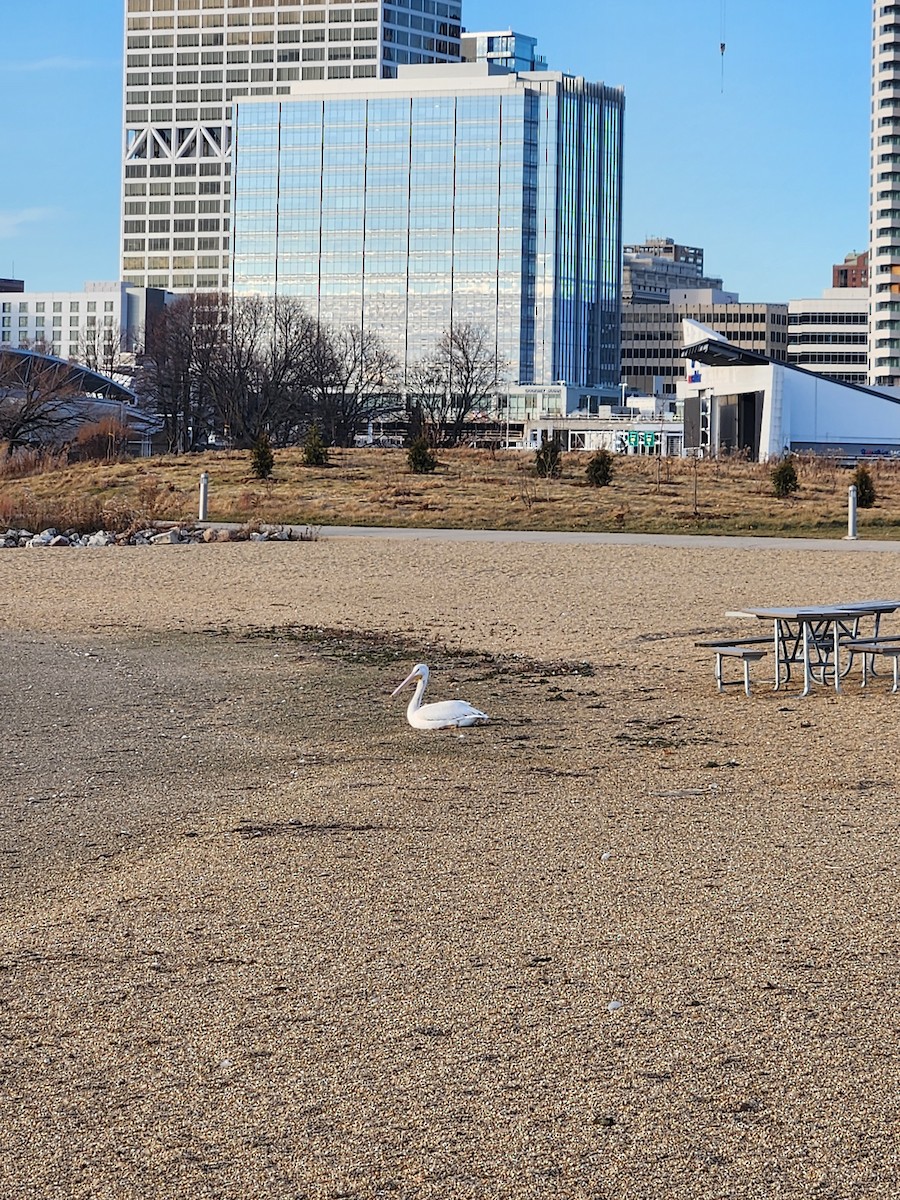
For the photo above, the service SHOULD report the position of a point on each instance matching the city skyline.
(759, 156)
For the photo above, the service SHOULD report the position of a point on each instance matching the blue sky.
(767, 169)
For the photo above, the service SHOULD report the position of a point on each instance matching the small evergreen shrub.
(421, 458)
(865, 487)
(262, 460)
(784, 478)
(548, 459)
(315, 452)
(599, 470)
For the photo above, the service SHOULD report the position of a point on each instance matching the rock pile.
(175, 535)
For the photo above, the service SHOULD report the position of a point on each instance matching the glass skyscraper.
(186, 61)
(450, 195)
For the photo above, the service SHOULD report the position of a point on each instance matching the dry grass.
(25, 462)
(470, 489)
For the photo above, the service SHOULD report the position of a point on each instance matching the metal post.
(851, 514)
(204, 495)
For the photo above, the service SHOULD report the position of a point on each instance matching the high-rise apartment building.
(884, 198)
(451, 195)
(186, 61)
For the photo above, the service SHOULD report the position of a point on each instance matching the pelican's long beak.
(411, 677)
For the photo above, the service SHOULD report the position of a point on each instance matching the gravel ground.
(631, 940)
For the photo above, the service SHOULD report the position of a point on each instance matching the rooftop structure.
(853, 272)
(650, 270)
(503, 48)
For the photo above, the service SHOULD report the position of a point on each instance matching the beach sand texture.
(632, 940)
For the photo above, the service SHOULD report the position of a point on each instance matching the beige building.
(652, 334)
(830, 335)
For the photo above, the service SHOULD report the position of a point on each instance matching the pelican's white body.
(446, 714)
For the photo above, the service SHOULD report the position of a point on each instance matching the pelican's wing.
(448, 713)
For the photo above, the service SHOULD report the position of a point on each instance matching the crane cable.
(722, 47)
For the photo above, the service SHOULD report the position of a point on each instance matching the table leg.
(837, 656)
(807, 667)
(778, 641)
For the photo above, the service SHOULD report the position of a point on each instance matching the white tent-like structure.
(738, 400)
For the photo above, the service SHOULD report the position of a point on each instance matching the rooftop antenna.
(722, 49)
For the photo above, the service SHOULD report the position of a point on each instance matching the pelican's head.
(419, 671)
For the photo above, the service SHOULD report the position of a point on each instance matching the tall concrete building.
(462, 194)
(186, 61)
(884, 198)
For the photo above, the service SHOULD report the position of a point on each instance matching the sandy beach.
(631, 940)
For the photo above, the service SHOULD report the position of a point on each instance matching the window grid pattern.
(187, 62)
(418, 213)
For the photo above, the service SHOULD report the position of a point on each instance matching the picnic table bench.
(748, 650)
(884, 646)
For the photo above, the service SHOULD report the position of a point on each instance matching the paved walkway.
(601, 539)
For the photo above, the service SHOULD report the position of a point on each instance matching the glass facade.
(415, 209)
(187, 61)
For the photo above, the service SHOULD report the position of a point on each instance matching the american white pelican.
(446, 714)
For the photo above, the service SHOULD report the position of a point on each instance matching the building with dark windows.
(652, 361)
(187, 61)
(452, 194)
(830, 335)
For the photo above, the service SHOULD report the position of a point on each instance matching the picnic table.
(813, 634)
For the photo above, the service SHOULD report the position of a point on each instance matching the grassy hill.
(472, 489)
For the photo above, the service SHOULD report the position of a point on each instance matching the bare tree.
(455, 381)
(36, 398)
(260, 379)
(184, 342)
(104, 348)
(354, 381)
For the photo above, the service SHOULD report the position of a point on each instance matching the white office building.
(187, 60)
(829, 335)
(99, 326)
(884, 198)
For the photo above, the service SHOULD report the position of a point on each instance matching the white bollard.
(851, 514)
(204, 495)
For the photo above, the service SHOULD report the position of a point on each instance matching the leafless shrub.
(27, 461)
(105, 439)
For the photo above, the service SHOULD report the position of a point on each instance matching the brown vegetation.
(469, 489)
